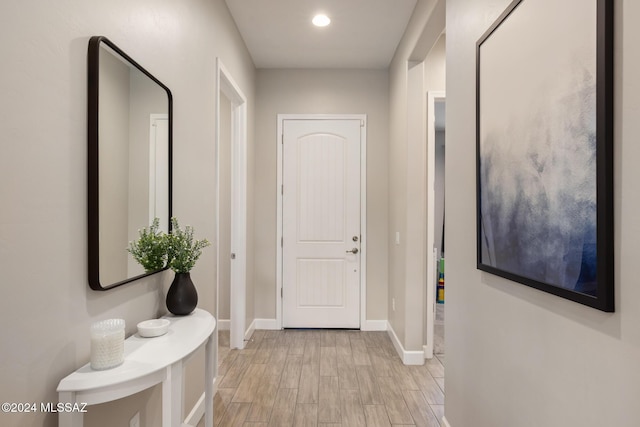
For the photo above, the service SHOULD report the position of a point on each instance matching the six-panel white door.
(321, 223)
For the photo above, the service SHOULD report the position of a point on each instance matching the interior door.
(321, 223)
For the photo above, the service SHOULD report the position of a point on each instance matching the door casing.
(363, 206)
(158, 156)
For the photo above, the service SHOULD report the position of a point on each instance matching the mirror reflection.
(133, 156)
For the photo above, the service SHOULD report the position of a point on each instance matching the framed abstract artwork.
(544, 136)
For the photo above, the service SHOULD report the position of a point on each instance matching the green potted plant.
(182, 253)
(150, 250)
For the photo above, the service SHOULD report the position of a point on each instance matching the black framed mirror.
(129, 161)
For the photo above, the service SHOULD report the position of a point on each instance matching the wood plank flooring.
(325, 378)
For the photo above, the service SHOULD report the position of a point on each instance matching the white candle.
(107, 344)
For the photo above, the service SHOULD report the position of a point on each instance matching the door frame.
(238, 271)
(153, 180)
(430, 319)
(363, 206)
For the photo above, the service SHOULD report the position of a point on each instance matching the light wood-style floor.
(325, 378)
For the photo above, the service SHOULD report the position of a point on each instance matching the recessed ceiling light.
(321, 20)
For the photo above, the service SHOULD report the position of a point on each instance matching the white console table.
(147, 362)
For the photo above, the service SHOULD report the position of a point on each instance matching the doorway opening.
(224, 220)
(436, 102)
(231, 183)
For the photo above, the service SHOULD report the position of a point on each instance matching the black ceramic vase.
(182, 297)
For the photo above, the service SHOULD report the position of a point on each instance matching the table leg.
(69, 419)
(208, 390)
(173, 396)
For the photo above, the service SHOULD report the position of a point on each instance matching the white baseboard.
(250, 330)
(408, 357)
(224, 324)
(374, 325)
(267, 324)
(197, 412)
(272, 325)
(446, 423)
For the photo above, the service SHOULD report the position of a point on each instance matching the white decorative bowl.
(153, 328)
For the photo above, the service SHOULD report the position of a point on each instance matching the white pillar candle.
(107, 344)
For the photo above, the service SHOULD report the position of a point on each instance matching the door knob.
(353, 251)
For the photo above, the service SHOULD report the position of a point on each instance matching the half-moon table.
(147, 362)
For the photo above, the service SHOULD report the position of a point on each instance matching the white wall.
(325, 92)
(517, 356)
(47, 306)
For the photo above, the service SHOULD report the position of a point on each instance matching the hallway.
(325, 377)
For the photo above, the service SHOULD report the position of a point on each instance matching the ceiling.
(362, 33)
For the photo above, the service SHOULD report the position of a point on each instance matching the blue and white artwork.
(537, 145)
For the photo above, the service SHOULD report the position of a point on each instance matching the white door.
(321, 223)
